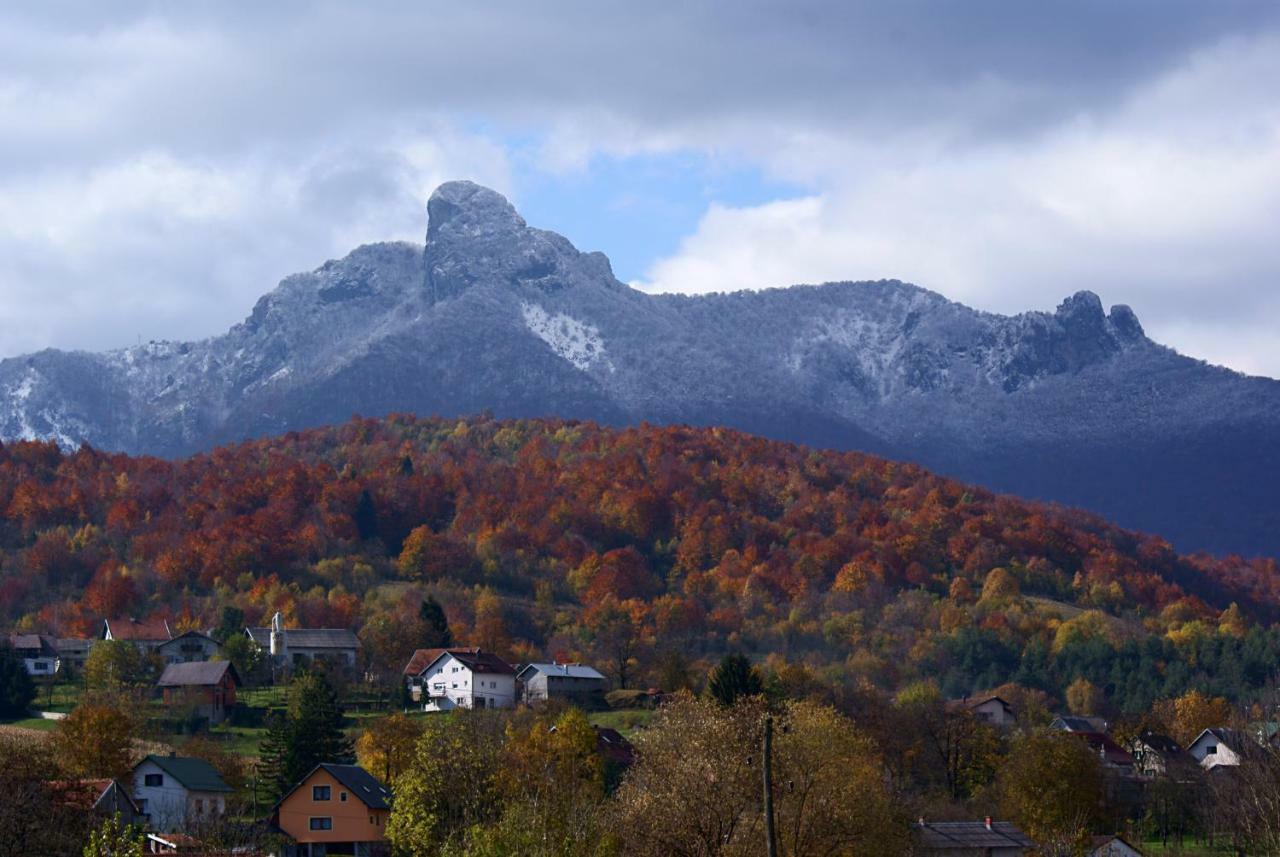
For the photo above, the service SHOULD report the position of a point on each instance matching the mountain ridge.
(491, 314)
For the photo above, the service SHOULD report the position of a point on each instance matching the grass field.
(1189, 848)
(625, 720)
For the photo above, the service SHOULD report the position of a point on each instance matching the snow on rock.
(576, 341)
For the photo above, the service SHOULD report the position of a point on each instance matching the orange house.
(336, 809)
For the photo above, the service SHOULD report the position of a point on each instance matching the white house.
(39, 653)
(987, 709)
(560, 681)
(464, 679)
(176, 792)
(1217, 747)
(289, 646)
(189, 648)
(1112, 846)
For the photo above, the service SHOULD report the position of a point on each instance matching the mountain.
(1076, 406)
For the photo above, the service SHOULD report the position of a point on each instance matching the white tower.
(279, 642)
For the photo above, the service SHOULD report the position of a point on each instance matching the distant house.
(177, 792)
(73, 652)
(971, 838)
(1218, 747)
(615, 749)
(1111, 846)
(146, 635)
(560, 681)
(39, 653)
(987, 709)
(104, 798)
(189, 647)
(1076, 723)
(1112, 755)
(1157, 755)
(423, 658)
(468, 680)
(335, 809)
(209, 685)
(294, 646)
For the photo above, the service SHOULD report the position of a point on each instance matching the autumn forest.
(651, 551)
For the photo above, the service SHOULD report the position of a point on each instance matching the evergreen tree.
(308, 733)
(230, 624)
(733, 679)
(17, 690)
(435, 625)
(366, 516)
(276, 753)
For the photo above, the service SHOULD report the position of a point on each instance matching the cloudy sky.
(160, 168)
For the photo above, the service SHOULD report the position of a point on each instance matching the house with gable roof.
(540, 682)
(208, 685)
(335, 809)
(147, 634)
(467, 679)
(423, 658)
(1218, 747)
(178, 792)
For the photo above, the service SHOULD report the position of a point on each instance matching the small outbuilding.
(574, 682)
(208, 685)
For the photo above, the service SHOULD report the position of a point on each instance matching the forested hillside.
(648, 551)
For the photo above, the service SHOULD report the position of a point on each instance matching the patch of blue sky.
(638, 208)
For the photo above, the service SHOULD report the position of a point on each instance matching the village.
(178, 801)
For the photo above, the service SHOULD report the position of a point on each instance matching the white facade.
(1211, 751)
(169, 805)
(450, 683)
(188, 648)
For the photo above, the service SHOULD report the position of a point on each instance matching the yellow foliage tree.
(94, 740)
(1000, 585)
(1084, 697)
(386, 747)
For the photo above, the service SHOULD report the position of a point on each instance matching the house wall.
(351, 818)
(1223, 754)
(450, 684)
(188, 650)
(170, 806)
(992, 712)
(213, 701)
(41, 666)
(542, 686)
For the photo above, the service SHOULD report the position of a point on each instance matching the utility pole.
(771, 841)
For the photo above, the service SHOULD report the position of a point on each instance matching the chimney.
(988, 821)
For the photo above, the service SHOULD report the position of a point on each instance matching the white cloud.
(1168, 202)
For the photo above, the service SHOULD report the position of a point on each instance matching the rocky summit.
(1077, 406)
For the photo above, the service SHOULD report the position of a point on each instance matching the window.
(199, 805)
(322, 823)
(1211, 749)
(319, 792)
(493, 684)
(153, 780)
(342, 796)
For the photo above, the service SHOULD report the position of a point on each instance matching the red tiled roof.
(146, 631)
(1108, 749)
(423, 658)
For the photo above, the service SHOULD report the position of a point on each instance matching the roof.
(87, 794)
(308, 638)
(1097, 842)
(195, 775)
(1162, 744)
(1231, 737)
(147, 631)
(73, 644)
(197, 674)
(967, 835)
(581, 671)
(187, 634)
(423, 658)
(972, 702)
(613, 746)
(359, 782)
(478, 662)
(1074, 723)
(37, 642)
(1111, 752)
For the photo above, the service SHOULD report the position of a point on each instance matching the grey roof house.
(971, 839)
(553, 680)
